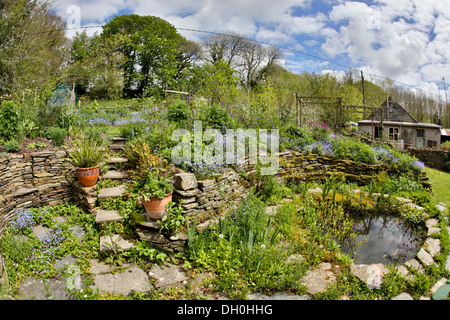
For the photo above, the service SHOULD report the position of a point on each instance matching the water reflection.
(384, 239)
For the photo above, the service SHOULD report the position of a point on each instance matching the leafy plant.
(178, 111)
(153, 184)
(9, 119)
(12, 146)
(31, 146)
(40, 145)
(57, 135)
(173, 221)
(140, 156)
(86, 154)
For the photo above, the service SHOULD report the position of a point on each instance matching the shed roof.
(398, 123)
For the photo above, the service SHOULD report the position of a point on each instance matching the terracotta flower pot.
(155, 208)
(88, 176)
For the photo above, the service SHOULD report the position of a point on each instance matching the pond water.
(384, 239)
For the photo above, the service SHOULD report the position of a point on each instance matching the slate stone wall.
(434, 158)
(33, 180)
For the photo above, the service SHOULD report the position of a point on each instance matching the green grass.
(441, 186)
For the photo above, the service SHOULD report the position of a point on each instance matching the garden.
(250, 249)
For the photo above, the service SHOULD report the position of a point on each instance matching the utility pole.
(364, 96)
(446, 105)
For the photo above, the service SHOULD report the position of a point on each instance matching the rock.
(403, 296)
(167, 276)
(60, 154)
(114, 242)
(114, 192)
(318, 280)
(185, 181)
(425, 257)
(104, 216)
(431, 223)
(48, 289)
(24, 191)
(206, 183)
(414, 264)
(433, 246)
(441, 208)
(116, 160)
(433, 230)
(152, 236)
(130, 279)
(78, 231)
(371, 274)
(437, 285)
(277, 296)
(40, 231)
(403, 271)
(447, 264)
(65, 261)
(179, 237)
(115, 175)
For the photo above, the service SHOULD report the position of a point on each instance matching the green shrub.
(57, 135)
(86, 154)
(9, 119)
(96, 135)
(178, 111)
(217, 117)
(12, 146)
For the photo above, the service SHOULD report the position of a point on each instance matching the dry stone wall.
(33, 180)
(208, 198)
(434, 158)
(47, 178)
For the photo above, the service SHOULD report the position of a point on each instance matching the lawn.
(441, 186)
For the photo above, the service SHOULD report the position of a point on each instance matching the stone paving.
(130, 277)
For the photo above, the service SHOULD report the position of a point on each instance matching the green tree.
(150, 52)
(96, 65)
(216, 82)
(32, 44)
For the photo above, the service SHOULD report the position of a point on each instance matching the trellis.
(301, 103)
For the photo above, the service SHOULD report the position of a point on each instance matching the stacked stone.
(296, 165)
(150, 231)
(34, 180)
(207, 198)
(434, 158)
(84, 197)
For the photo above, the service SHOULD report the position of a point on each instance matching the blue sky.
(405, 40)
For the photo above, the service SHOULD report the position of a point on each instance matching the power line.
(264, 43)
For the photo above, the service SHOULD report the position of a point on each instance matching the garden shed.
(399, 127)
(63, 94)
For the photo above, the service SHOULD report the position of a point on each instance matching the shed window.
(393, 133)
(432, 144)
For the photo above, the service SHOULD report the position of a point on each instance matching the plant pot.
(88, 176)
(155, 208)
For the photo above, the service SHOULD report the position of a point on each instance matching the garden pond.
(385, 239)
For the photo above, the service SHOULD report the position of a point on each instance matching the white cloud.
(407, 40)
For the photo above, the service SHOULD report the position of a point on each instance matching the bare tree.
(226, 47)
(257, 62)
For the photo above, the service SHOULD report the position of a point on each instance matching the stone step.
(118, 138)
(116, 146)
(116, 175)
(105, 216)
(114, 192)
(114, 242)
(116, 160)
